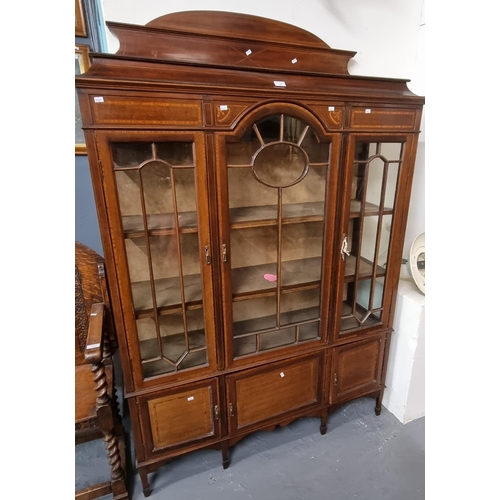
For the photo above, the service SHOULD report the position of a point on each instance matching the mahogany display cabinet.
(252, 198)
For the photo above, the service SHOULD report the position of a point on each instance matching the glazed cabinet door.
(276, 182)
(181, 417)
(376, 186)
(356, 369)
(261, 396)
(155, 190)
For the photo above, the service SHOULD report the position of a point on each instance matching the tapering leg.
(378, 405)
(145, 483)
(225, 454)
(324, 420)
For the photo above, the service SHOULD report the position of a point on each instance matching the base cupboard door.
(356, 368)
(180, 417)
(265, 395)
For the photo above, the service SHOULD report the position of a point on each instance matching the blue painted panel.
(86, 225)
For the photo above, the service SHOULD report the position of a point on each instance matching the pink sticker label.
(270, 277)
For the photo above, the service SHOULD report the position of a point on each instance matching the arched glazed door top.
(277, 175)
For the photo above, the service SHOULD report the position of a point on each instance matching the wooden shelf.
(248, 282)
(159, 224)
(296, 275)
(240, 217)
(168, 295)
(267, 215)
(370, 209)
(365, 269)
(268, 323)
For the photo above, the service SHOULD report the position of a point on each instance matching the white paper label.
(331, 108)
(368, 110)
(279, 84)
(190, 398)
(248, 52)
(294, 60)
(223, 107)
(98, 99)
(282, 374)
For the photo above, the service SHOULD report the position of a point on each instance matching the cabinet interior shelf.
(268, 323)
(247, 282)
(159, 224)
(240, 218)
(371, 209)
(365, 269)
(267, 215)
(299, 274)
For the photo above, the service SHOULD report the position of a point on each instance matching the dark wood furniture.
(96, 410)
(252, 198)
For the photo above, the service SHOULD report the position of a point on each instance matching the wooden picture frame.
(80, 26)
(82, 64)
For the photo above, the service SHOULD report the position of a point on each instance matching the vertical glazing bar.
(150, 262)
(282, 127)
(379, 234)
(278, 265)
(360, 239)
(179, 260)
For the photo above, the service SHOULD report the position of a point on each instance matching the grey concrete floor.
(361, 457)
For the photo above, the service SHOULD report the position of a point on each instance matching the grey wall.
(86, 225)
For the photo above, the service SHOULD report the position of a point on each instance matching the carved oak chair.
(96, 407)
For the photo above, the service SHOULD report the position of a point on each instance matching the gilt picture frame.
(82, 64)
(80, 25)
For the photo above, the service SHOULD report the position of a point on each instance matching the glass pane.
(241, 152)
(157, 197)
(279, 338)
(318, 152)
(254, 202)
(293, 129)
(385, 236)
(269, 128)
(302, 247)
(254, 259)
(175, 153)
(277, 212)
(298, 307)
(254, 315)
(280, 165)
(131, 154)
(245, 345)
(309, 331)
(375, 174)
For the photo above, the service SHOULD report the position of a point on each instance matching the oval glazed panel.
(280, 165)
